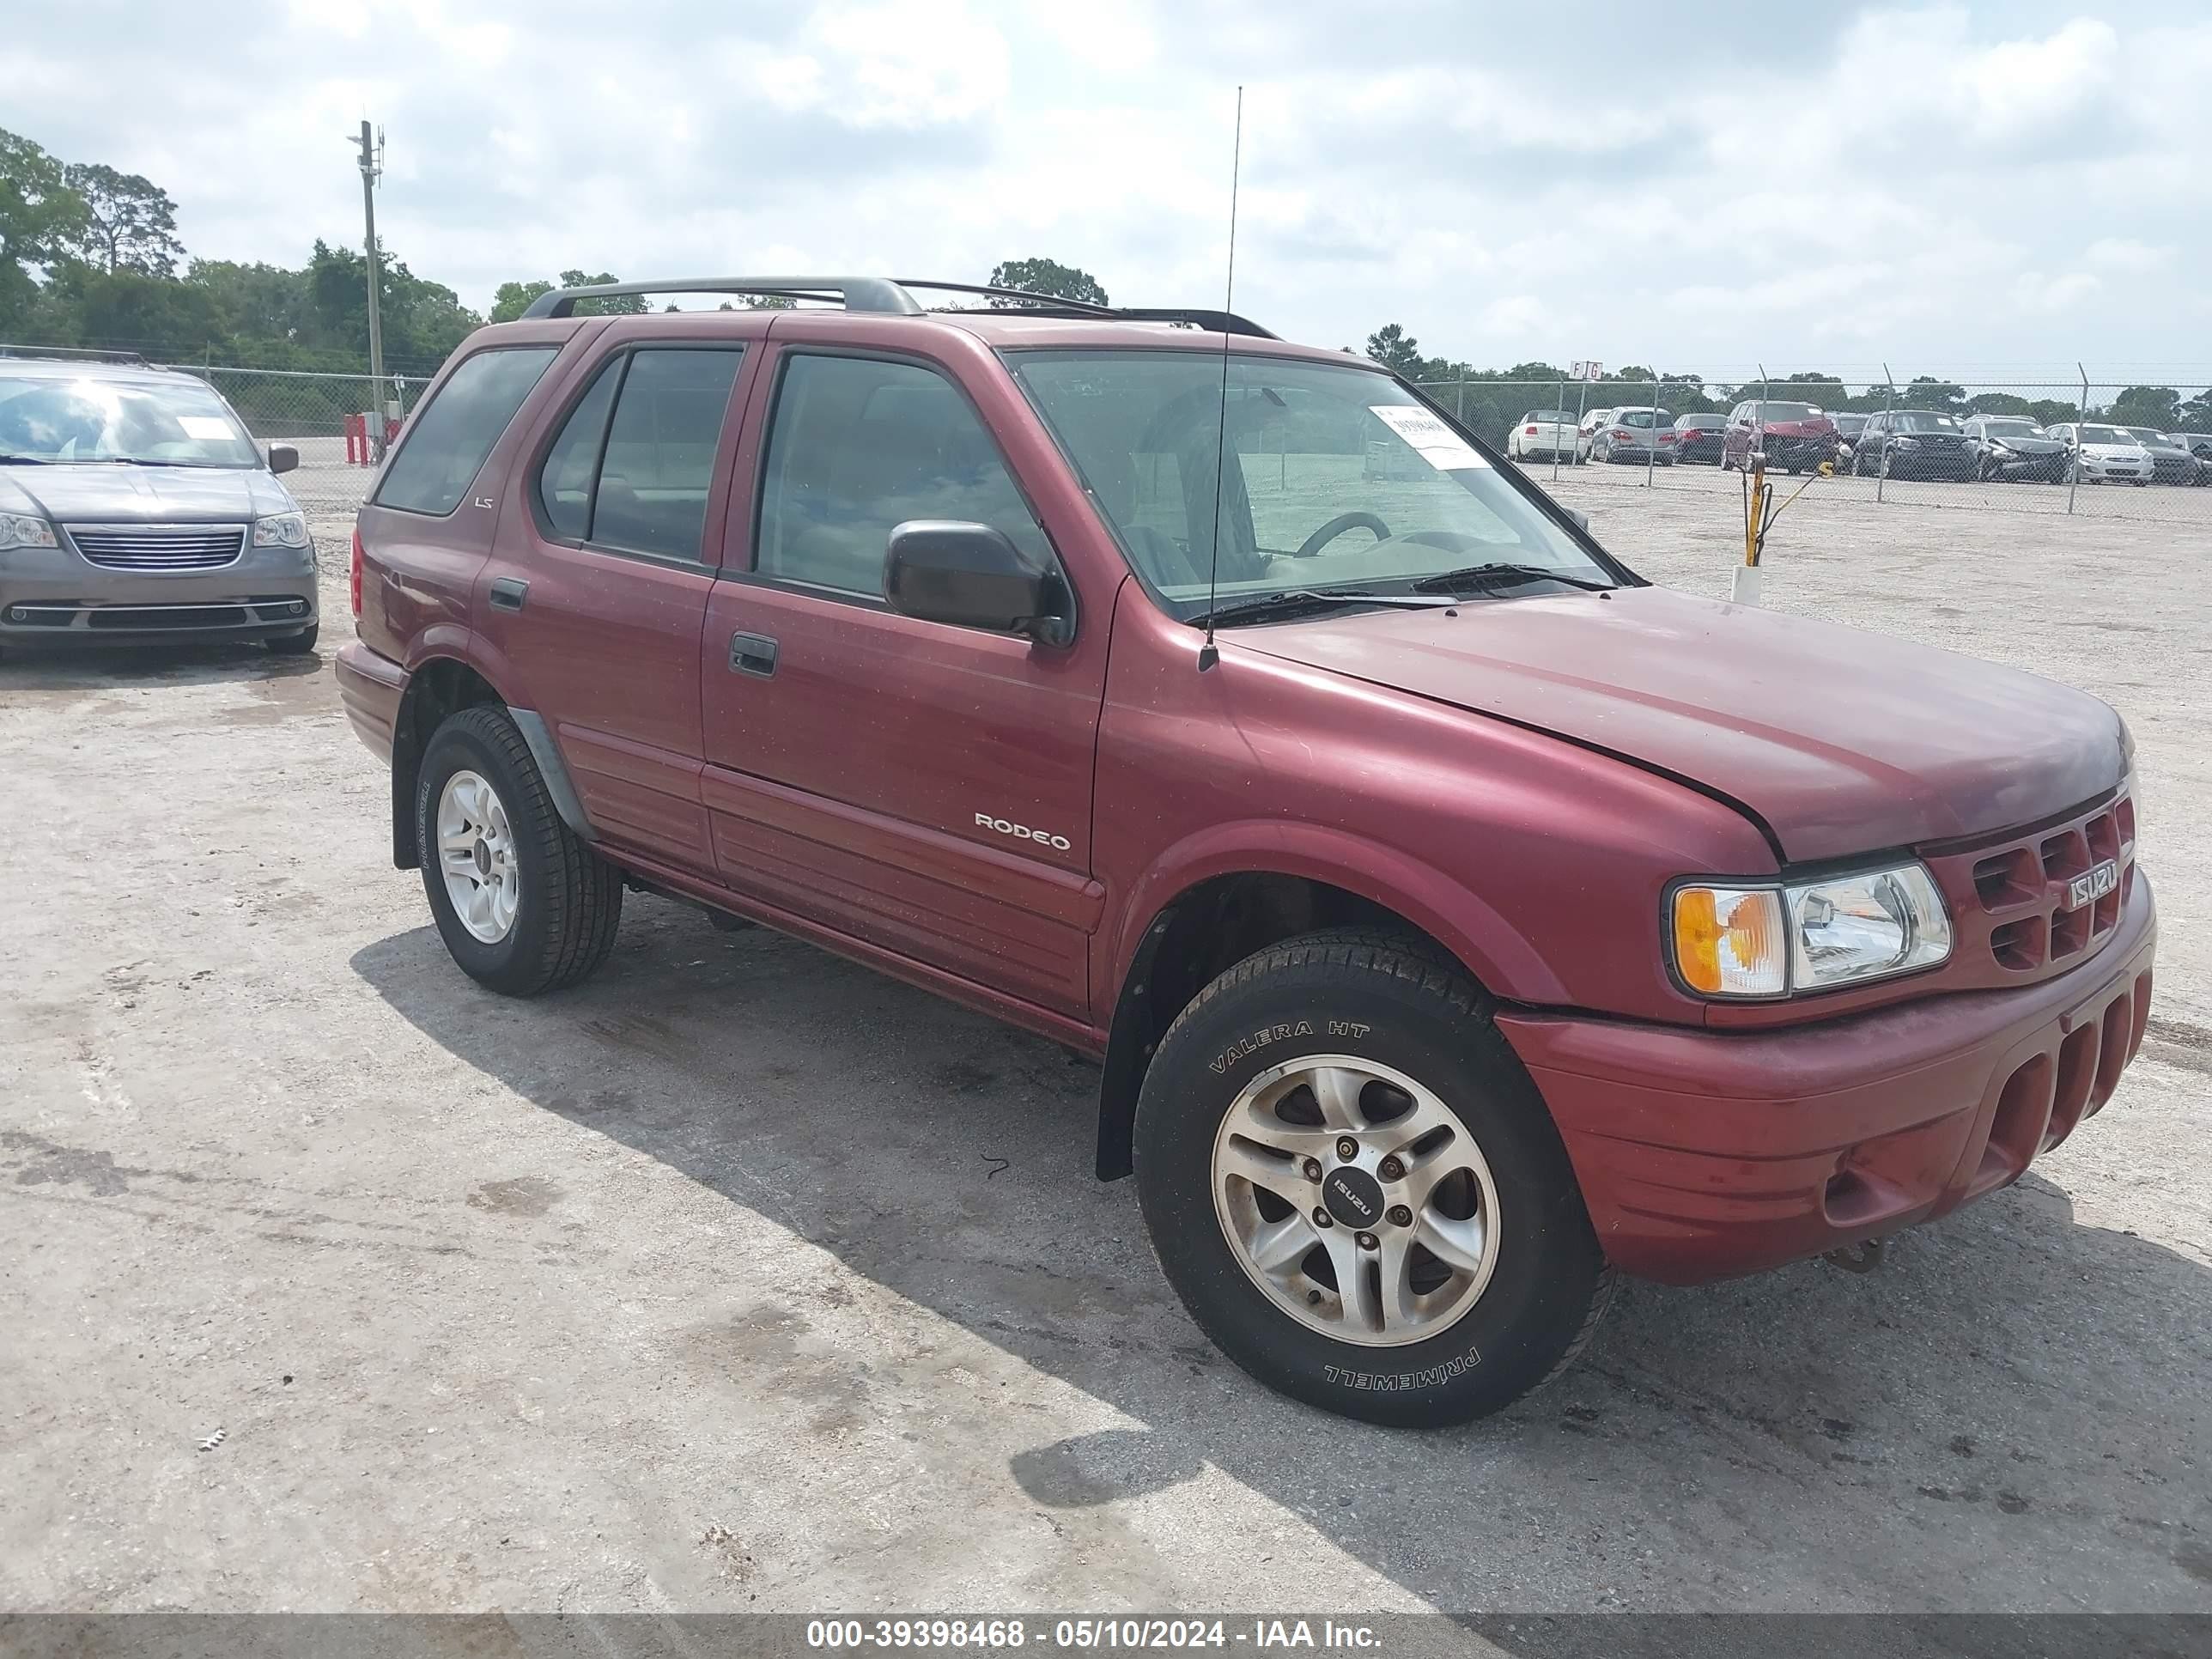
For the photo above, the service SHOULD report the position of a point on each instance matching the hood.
(99, 494)
(1819, 427)
(2029, 445)
(1840, 742)
(2117, 452)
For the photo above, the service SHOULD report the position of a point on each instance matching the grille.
(160, 546)
(2015, 896)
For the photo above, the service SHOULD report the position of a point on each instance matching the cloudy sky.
(1996, 189)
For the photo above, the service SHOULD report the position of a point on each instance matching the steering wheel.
(1336, 526)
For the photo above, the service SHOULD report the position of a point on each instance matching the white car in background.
(1543, 434)
(2103, 453)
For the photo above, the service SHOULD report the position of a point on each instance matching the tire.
(300, 644)
(1378, 1002)
(567, 899)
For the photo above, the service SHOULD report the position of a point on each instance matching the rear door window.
(634, 462)
(447, 441)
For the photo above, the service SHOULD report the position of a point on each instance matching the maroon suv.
(1797, 436)
(1458, 918)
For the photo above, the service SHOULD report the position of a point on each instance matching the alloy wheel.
(1356, 1200)
(477, 856)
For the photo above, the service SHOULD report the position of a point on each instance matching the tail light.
(353, 576)
(1529, 431)
(1665, 437)
(1622, 432)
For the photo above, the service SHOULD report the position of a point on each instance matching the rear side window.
(634, 462)
(448, 440)
(858, 446)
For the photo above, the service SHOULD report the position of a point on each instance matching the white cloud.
(1944, 187)
(2124, 254)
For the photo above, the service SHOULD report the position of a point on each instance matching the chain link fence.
(312, 413)
(2110, 449)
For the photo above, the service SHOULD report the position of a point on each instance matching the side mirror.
(972, 576)
(283, 457)
(1580, 519)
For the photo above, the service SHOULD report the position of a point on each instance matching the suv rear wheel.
(523, 904)
(1356, 1189)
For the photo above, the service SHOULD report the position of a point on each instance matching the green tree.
(130, 222)
(513, 299)
(1047, 277)
(1398, 351)
(40, 214)
(422, 320)
(157, 316)
(2147, 405)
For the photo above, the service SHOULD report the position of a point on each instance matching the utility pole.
(372, 169)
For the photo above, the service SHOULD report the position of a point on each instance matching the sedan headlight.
(281, 530)
(24, 530)
(1810, 935)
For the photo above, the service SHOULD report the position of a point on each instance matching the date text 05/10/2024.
(1259, 1635)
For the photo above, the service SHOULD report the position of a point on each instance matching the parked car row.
(1900, 443)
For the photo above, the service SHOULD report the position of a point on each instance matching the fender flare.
(1499, 959)
(406, 759)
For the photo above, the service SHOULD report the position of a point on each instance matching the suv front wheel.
(523, 903)
(1356, 1189)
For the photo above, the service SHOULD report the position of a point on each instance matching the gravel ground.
(742, 1278)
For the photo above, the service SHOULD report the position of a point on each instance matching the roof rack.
(857, 293)
(91, 354)
(888, 296)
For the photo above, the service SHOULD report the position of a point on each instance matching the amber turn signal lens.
(1728, 941)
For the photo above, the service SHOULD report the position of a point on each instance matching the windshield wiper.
(24, 460)
(1501, 574)
(1307, 600)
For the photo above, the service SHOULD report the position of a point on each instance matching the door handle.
(752, 653)
(507, 593)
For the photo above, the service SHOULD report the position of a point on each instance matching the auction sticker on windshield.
(1432, 441)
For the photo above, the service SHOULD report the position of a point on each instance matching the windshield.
(1699, 423)
(2012, 429)
(1553, 416)
(1338, 477)
(1643, 417)
(1787, 411)
(1914, 420)
(172, 423)
(2143, 435)
(2105, 434)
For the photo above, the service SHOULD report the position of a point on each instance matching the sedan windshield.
(2107, 434)
(2013, 429)
(1552, 416)
(1643, 417)
(1338, 479)
(180, 422)
(1915, 419)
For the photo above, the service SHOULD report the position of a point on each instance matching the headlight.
(1904, 443)
(1808, 936)
(22, 530)
(281, 530)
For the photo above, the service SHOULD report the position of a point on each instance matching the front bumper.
(1703, 1154)
(2097, 471)
(2025, 469)
(52, 595)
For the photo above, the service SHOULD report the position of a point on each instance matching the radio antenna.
(1207, 654)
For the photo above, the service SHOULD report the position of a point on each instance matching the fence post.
(1651, 453)
(2074, 460)
(1558, 407)
(1582, 399)
(1888, 407)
